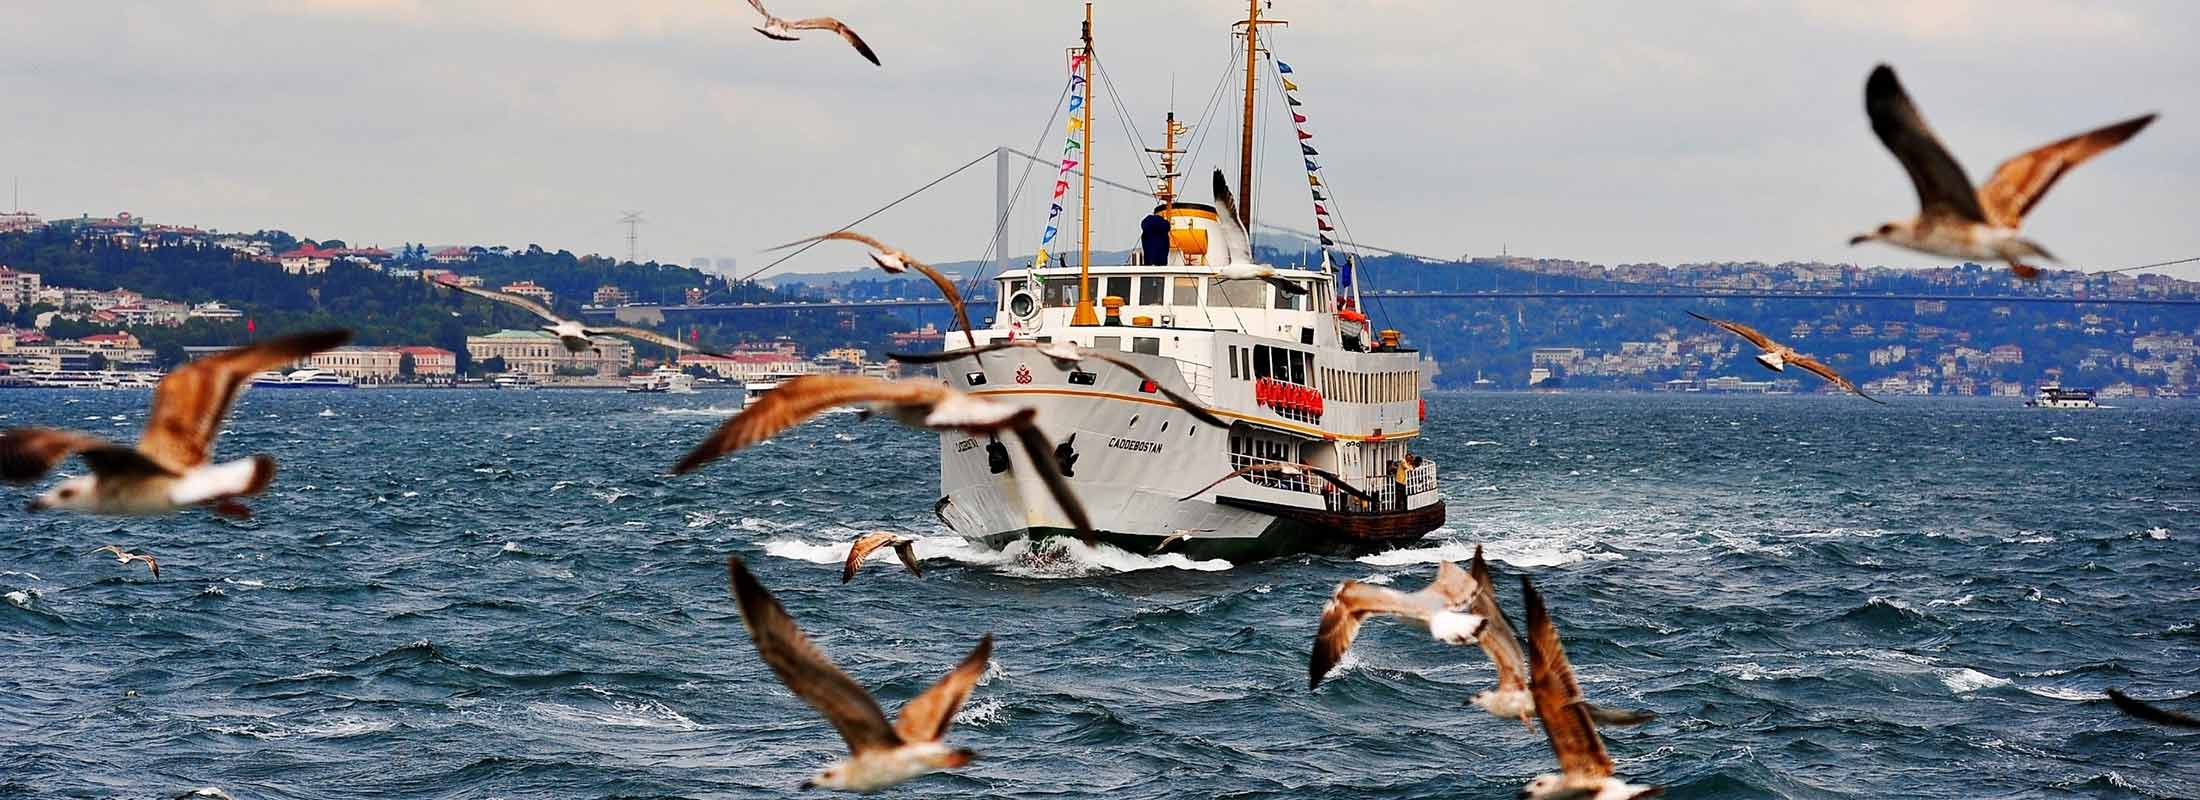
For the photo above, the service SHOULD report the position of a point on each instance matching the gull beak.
(806, 786)
(1859, 239)
(35, 506)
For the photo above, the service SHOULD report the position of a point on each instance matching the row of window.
(1179, 290)
(1297, 367)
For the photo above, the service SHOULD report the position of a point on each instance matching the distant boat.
(303, 379)
(2055, 396)
(666, 379)
(513, 380)
(84, 379)
(753, 389)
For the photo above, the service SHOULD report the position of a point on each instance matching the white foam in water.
(981, 713)
(327, 412)
(1478, 443)
(510, 547)
(707, 411)
(1966, 680)
(2059, 693)
(1377, 579)
(21, 599)
(622, 714)
(30, 575)
(2158, 533)
(2061, 439)
(1055, 558)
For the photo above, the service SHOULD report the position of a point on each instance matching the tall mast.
(1168, 152)
(1084, 315)
(1245, 136)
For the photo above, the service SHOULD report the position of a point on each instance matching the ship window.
(1150, 291)
(1260, 361)
(1107, 344)
(1187, 291)
(1060, 293)
(1119, 286)
(1233, 361)
(1150, 345)
(1238, 294)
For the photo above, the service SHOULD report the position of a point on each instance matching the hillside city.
(1916, 346)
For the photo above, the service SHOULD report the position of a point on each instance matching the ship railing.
(1297, 481)
(1201, 379)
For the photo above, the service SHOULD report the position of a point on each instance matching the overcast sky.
(1601, 131)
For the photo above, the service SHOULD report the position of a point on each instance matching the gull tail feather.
(222, 481)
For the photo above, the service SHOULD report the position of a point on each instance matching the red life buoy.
(1318, 404)
(1263, 392)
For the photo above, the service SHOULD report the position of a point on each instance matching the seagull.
(576, 337)
(1777, 356)
(1181, 535)
(1441, 607)
(1287, 468)
(1511, 698)
(896, 261)
(904, 547)
(918, 404)
(2150, 713)
(1954, 220)
(1237, 245)
(168, 468)
(879, 755)
(1585, 769)
(783, 30)
(1067, 354)
(124, 557)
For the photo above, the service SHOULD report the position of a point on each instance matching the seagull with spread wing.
(1442, 607)
(1334, 480)
(1953, 219)
(904, 547)
(895, 261)
(576, 337)
(124, 557)
(168, 469)
(1776, 356)
(1067, 354)
(1585, 769)
(783, 30)
(918, 404)
(1237, 245)
(1511, 698)
(879, 754)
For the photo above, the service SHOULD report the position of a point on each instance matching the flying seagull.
(1237, 245)
(879, 755)
(1067, 354)
(575, 336)
(896, 261)
(918, 404)
(1953, 219)
(2146, 711)
(1331, 478)
(1180, 536)
(904, 547)
(124, 558)
(1585, 769)
(1441, 607)
(1511, 698)
(1777, 356)
(168, 468)
(783, 30)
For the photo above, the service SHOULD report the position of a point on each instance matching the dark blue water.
(497, 595)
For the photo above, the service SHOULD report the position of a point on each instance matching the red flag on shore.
(249, 327)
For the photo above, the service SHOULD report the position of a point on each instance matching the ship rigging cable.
(1008, 209)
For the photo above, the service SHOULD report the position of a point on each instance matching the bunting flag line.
(1282, 67)
(1292, 100)
(1303, 135)
(1307, 149)
(1288, 86)
(1326, 242)
(1311, 166)
(1071, 146)
(1298, 118)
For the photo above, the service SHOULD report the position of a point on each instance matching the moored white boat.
(304, 379)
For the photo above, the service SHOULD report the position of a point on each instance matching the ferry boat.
(303, 379)
(753, 389)
(514, 379)
(2053, 395)
(1300, 377)
(665, 379)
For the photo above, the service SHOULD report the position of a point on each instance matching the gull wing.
(1498, 639)
(926, 718)
(27, 454)
(759, 4)
(189, 404)
(1331, 478)
(906, 550)
(2146, 711)
(836, 26)
(1190, 405)
(2019, 183)
(1235, 241)
(805, 670)
(798, 400)
(1341, 617)
(1942, 187)
(1041, 453)
(947, 290)
(1566, 723)
(531, 306)
(646, 335)
(862, 549)
(1760, 340)
(1284, 286)
(842, 236)
(1826, 372)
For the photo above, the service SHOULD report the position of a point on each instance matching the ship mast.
(1252, 23)
(1168, 152)
(1085, 315)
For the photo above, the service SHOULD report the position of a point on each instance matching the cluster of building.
(31, 351)
(116, 307)
(1816, 276)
